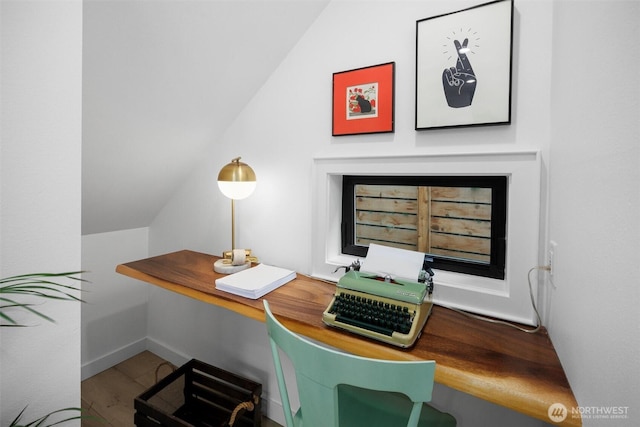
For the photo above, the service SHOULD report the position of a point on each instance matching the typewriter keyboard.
(378, 316)
(395, 322)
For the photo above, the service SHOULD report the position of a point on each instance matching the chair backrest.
(320, 370)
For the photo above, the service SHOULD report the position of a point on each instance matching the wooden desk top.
(493, 362)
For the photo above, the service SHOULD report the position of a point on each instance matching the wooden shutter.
(449, 221)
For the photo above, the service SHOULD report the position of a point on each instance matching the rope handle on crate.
(249, 406)
(173, 369)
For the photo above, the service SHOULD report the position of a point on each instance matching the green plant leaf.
(38, 285)
(40, 422)
(22, 306)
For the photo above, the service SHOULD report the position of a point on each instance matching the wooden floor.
(109, 395)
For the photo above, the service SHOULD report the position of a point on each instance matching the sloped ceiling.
(161, 81)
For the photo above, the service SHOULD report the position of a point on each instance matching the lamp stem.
(233, 224)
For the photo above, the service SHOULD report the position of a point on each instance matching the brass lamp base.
(234, 260)
(224, 266)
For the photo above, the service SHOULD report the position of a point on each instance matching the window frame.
(495, 269)
(508, 299)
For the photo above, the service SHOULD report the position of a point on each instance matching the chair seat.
(360, 407)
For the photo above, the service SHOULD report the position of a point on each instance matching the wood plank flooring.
(109, 395)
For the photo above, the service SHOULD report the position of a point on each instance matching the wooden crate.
(199, 395)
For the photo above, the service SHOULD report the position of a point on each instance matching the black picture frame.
(464, 67)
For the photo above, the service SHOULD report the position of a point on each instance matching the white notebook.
(256, 281)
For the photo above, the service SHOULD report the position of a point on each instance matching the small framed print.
(463, 67)
(363, 100)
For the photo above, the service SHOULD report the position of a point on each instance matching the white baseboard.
(273, 411)
(102, 363)
(167, 352)
(111, 359)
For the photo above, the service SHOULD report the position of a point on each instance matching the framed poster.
(363, 100)
(463, 67)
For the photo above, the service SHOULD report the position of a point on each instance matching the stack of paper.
(256, 281)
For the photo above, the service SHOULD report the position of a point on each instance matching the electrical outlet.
(553, 263)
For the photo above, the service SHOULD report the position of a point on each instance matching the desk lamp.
(237, 181)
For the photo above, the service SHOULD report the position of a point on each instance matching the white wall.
(40, 197)
(279, 132)
(565, 104)
(114, 318)
(595, 203)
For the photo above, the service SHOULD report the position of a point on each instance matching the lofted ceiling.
(162, 80)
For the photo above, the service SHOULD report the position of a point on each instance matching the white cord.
(502, 322)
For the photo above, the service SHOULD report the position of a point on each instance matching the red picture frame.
(363, 100)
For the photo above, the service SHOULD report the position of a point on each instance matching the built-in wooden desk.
(493, 362)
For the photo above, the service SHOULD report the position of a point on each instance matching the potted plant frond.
(34, 287)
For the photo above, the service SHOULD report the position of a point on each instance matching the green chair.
(342, 390)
